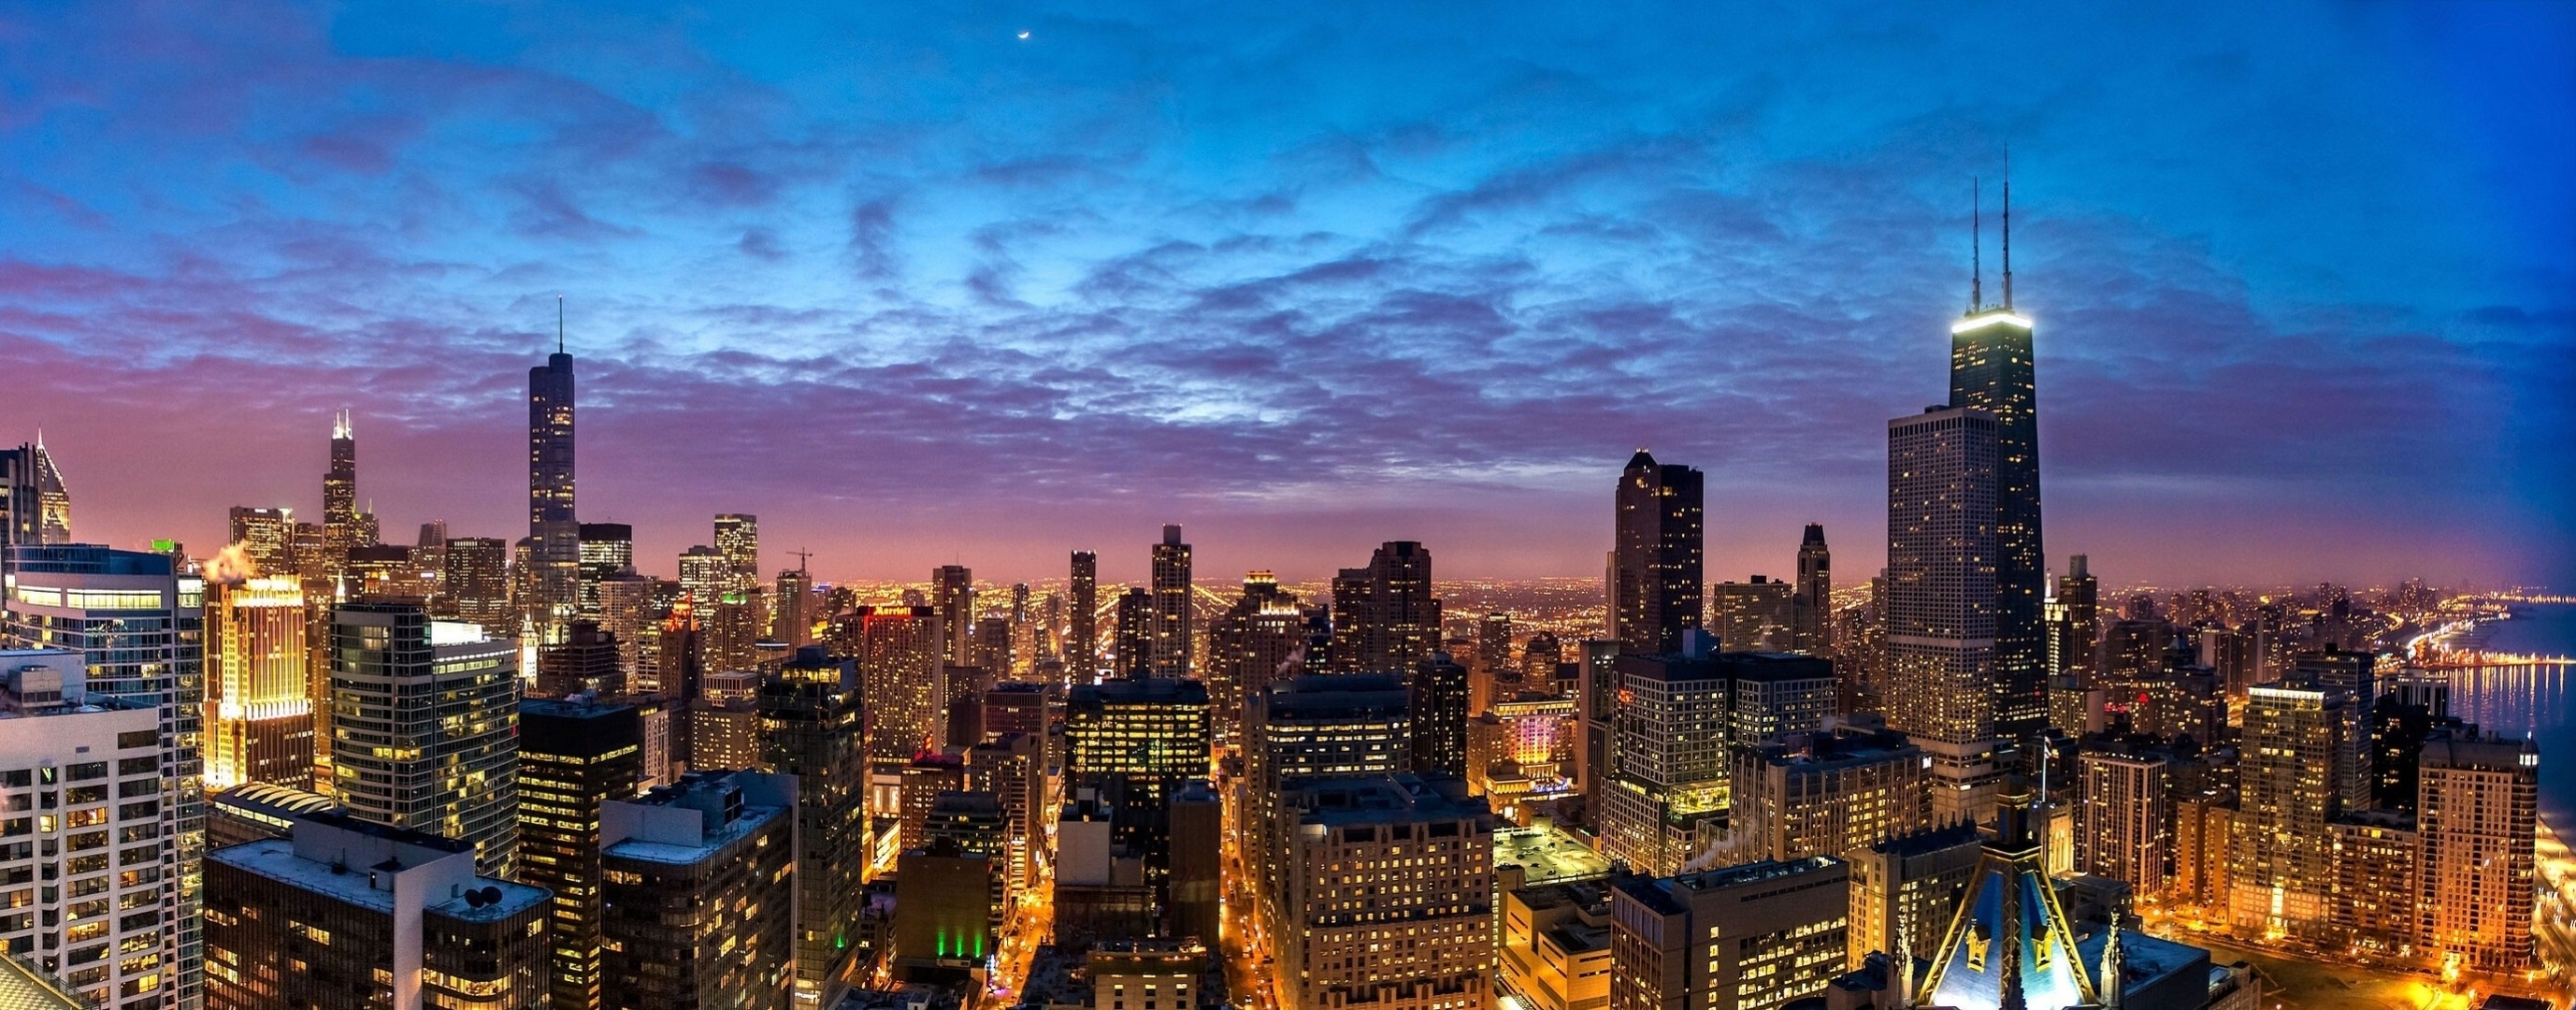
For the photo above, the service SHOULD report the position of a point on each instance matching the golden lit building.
(2477, 800)
(259, 714)
(1388, 894)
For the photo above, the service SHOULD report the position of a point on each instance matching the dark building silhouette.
(1655, 583)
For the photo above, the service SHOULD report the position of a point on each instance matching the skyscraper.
(425, 727)
(2476, 807)
(607, 551)
(1940, 609)
(1755, 616)
(2124, 818)
(340, 496)
(899, 670)
(1082, 650)
(738, 539)
(34, 506)
(1991, 371)
(267, 537)
(1173, 623)
(1423, 852)
(2078, 624)
(1754, 937)
(1815, 602)
(1248, 646)
(810, 718)
(1133, 652)
(1385, 618)
(952, 591)
(259, 712)
(1438, 689)
(574, 759)
(699, 874)
(554, 535)
(1655, 556)
(477, 583)
(2281, 860)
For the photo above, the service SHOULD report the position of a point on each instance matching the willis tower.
(1991, 371)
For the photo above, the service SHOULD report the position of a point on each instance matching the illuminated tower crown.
(2008, 947)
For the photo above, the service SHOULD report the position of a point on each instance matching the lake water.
(2515, 700)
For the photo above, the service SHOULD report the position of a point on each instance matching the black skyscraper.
(554, 536)
(1438, 701)
(1655, 583)
(1991, 370)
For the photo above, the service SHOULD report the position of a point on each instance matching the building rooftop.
(1661, 893)
(275, 859)
(1547, 853)
(1926, 842)
(1378, 799)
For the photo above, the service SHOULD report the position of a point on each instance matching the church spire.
(2112, 983)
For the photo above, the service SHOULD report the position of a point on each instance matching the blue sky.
(918, 289)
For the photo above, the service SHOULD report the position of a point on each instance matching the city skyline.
(1301, 327)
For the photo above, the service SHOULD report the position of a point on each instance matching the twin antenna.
(559, 345)
(1977, 241)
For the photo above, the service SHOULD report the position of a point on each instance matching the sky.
(972, 283)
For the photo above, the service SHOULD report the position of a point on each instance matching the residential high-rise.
(1755, 616)
(738, 540)
(607, 551)
(1173, 623)
(2476, 809)
(2281, 859)
(952, 591)
(259, 711)
(1439, 701)
(350, 913)
(810, 718)
(2354, 675)
(2123, 818)
(699, 882)
(1655, 556)
(1825, 794)
(1421, 852)
(1132, 655)
(1755, 936)
(340, 525)
(1940, 611)
(477, 583)
(1905, 891)
(1991, 372)
(267, 537)
(87, 758)
(554, 534)
(34, 506)
(1082, 649)
(425, 727)
(139, 628)
(792, 607)
(574, 758)
(1385, 618)
(1814, 606)
(1253, 643)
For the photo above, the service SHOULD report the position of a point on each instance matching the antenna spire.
(2007, 229)
(559, 327)
(1976, 245)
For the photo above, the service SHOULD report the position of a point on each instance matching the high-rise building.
(425, 727)
(139, 628)
(1422, 853)
(1813, 610)
(607, 551)
(1940, 611)
(1596, 700)
(1140, 739)
(2281, 861)
(1385, 618)
(267, 537)
(554, 534)
(899, 673)
(2078, 614)
(1991, 372)
(947, 928)
(1655, 556)
(1439, 692)
(699, 883)
(792, 607)
(952, 592)
(1756, 616)
(1313, 725)
(1082, 641)
(340, 524)
(95, 767)
(810, 717)
(35, 508)
(1663, 804)
(1771, 696)
(738, 540)
(1253, 643)
(574, 758)
(2476, 811)
(350, 913)
(1496, 676)
(2356, 676)
(259, 713)
(1904, 891)
(705, 575)
(2124, 817)
(1132, 655)
(1754, 936)
(1825, 794)
(477, 583)
(1173, 623)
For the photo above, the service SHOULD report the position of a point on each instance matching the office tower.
(1198, 861)
(1773, 696)
(705, 575)
(259, 716)
(381, 570)
(2079, 618)
(1905, 890)
(2009, 938)
(992, 651)
(2355, 676)
(554, 535)
(1991, 372)
(952, 592)
(1661, 806)
(1253, 643)
(810, 717)
(1082, 641)
(1385, 618)
(1133, 654)
(34, 506)
(429, 552)
(1755, 616)
(1314, 725)
(1596, 700)
(931, 774)
(1812, 611)
(1940, 612)
(1172, 613)
(83, 759)
(733, 625)
(587, 661)
(477, 583)
(1423, 853)
(1139, 739)
(792, 602)
(1491, 673)
(899, 670)
(1754, 936)
(607, 551)
(738, 540)
(699, 885)
(2123, 818)
(1555, 948)
(2280, 862)
(1654, 584)
(349, 913)
(340, 495)
(1825, 794)
(945, 926)
(1012, 767)
(139, 627)
(1540, 657)
(679, 663)
(267, 537)
(1439, 702)
(2476, 813)
(448, 696)
(724, 722)
(627, 613)
(573, 759)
